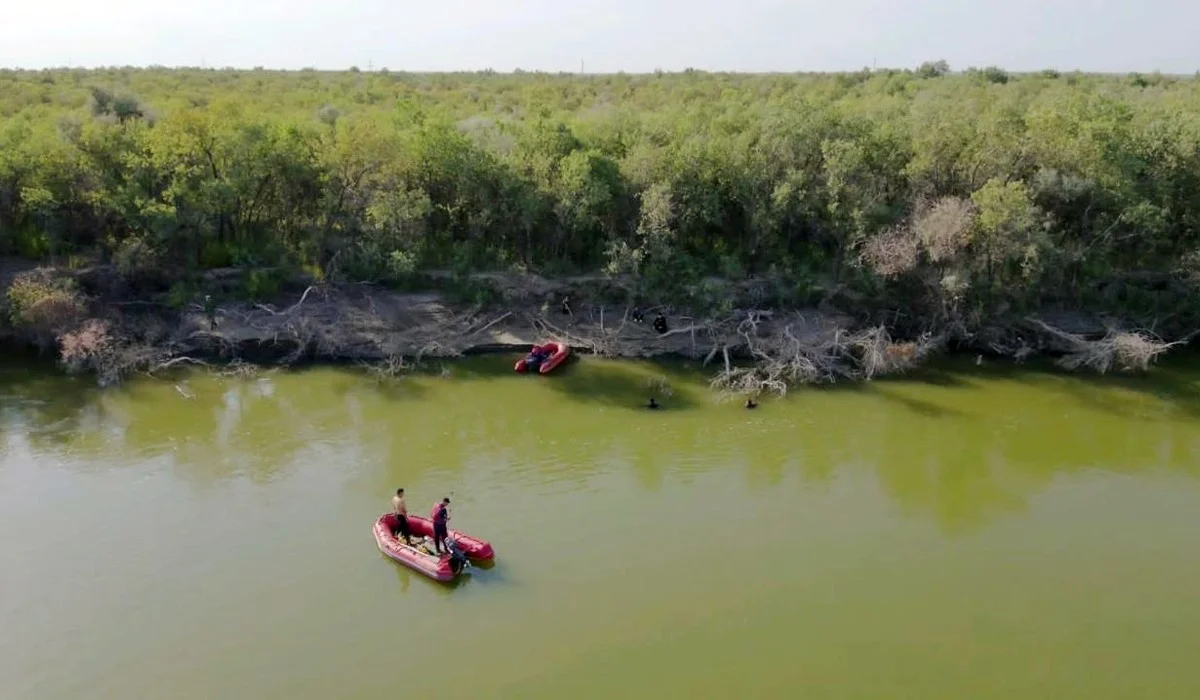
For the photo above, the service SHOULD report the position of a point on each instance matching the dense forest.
(951, 195)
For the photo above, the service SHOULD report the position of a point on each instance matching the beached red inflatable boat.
(551, 354)
(442, 568)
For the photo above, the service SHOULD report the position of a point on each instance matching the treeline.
(952, 194)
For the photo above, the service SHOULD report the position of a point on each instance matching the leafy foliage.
(974, 190)
(43, 303)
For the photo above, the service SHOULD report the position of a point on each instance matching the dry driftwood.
(605, 344)
(781, 358)
(391, 368)
(1126, 350)
(289, 309)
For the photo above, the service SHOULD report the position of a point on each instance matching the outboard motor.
(458, 559)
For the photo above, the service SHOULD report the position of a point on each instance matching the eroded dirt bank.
(91, 321)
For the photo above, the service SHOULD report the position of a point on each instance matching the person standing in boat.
(401, 511)
(441, 525)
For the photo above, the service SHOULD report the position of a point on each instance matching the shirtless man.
(401, 512)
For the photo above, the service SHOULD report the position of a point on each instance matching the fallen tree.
(755, 350)
(780, 358)
(1125, 350)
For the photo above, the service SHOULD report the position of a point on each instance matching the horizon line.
(383, 70)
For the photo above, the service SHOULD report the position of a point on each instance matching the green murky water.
(964, 534)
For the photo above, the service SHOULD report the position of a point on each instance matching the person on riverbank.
(401, 512)
(660, 324)
(210, 312)
(441, 525)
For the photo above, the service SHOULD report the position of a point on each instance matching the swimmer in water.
(652, 403)
(751, 403)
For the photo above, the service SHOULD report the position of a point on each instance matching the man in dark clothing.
(441, 525)
(535, 359)
(660, 324)
(210, 310)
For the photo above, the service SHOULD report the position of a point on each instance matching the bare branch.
(1127, 350)
(289, 309)
(781, 358)
(175, 361)
(498, 320)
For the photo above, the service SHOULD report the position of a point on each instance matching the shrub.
(134, 256)
(263, 284)
(83, 349)
(40, 301)
(180, 295)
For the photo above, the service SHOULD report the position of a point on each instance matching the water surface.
(967, 533)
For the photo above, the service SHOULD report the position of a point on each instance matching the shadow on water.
(625, 385)
(592, 380)
(394, 388)
(1168, 385)
(478, 574)
(351, 379)
(921, 407)
(50, 404)
(884, 388)
(479, 367)
(1172, 382)
(1012, 428)
(488, 573)
(938, 375)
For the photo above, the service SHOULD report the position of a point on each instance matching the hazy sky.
(608, 36)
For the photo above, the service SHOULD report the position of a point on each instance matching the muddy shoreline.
(756, 346)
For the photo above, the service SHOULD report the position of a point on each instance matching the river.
(963, 533)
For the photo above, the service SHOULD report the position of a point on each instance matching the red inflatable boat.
(441, 568)
(552, 355)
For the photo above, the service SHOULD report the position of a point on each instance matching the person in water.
(660, 324)
(653, 403)
(441, 525)
(751, 403)
(401, 512)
